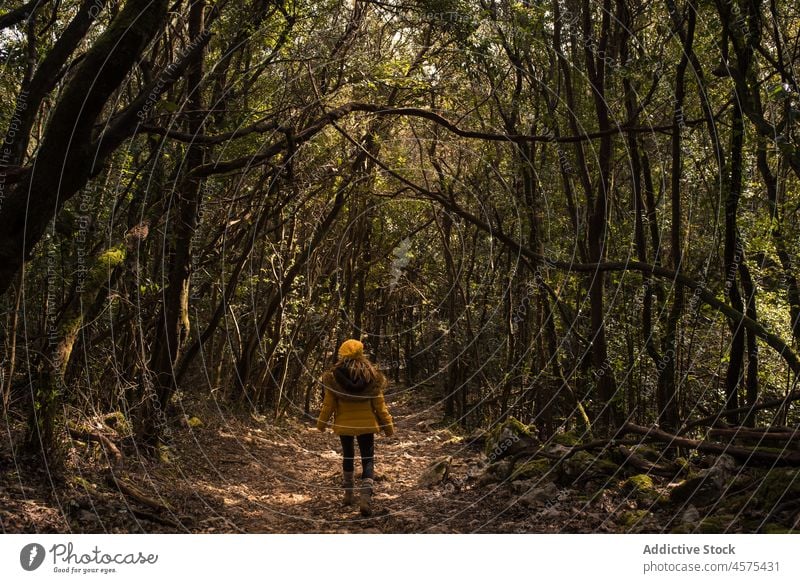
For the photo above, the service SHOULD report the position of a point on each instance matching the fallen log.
(774, 438)
(648, 467)
(747, 456)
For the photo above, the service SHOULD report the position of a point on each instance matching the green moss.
(568, 438)
(577, 464)
(773, 528)
(777, 485)
(585, 465)
(649, 453)
(83, 483)
(164, 454)
(103, 265)
(639, 483)
(117, 421)
(605, 466)
(735, 504)
(717, 524)
(632, 518)
(503, 438)
(530, 469)
(641, 488)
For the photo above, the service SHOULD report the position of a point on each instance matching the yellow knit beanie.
(351, 349)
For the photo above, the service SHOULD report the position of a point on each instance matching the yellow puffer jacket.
(354, 414)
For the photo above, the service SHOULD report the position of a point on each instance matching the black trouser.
(366, 446)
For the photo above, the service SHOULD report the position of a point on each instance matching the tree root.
(134, 493)
(107, 445)
(156, 518)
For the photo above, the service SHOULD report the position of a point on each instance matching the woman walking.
(354, 397)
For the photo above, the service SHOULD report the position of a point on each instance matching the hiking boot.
(365, 502)
(348, 483)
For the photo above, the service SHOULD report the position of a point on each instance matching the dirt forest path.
(251, 475)
(286, 479)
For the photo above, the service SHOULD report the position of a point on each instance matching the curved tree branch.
(339, 112)
(22, 13)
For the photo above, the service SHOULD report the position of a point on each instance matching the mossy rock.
(606, 466)
(649, 453)
(632, 519)
(638, 483)
(735, 504)
(117, 421)
(641, 487)
(495, 473)
(545, 495)
(576, 464)
(568, 438)
(436, 472)
(509, 437)
(699, 490)
(718, 524)
(585, 466)
(777, 485)
(530, 469)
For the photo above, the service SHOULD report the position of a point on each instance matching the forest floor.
(245, 474)
(248, 474)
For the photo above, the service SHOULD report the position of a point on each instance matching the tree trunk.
(732, 260)
(598, 216)
(50, 389)
(173, 327)
(67, 155)
(667, 403)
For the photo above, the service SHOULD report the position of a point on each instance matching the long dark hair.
(359, 369)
